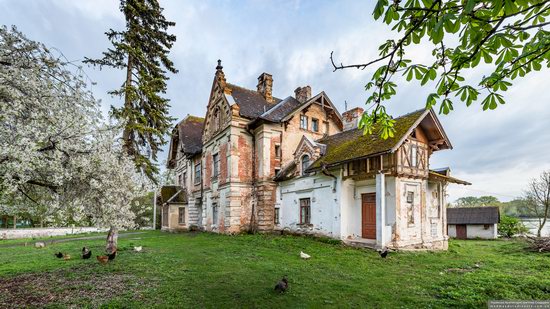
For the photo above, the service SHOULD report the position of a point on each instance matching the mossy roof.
(353, 144)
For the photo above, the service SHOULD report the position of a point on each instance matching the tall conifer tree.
(142, 51)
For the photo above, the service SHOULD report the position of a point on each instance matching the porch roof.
(172, 194)
(433, 175)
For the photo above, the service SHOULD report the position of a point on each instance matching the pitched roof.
(473, 215)
(190, 134)
(251, 103)
(281, 110)
(353, 144)
(438, 175)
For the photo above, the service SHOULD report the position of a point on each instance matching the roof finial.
(219, 67)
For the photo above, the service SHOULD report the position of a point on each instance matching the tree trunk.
(14, 222)
(126, 134)
(112, 240)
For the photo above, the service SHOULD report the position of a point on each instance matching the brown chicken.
(66, 257)
(103, 259)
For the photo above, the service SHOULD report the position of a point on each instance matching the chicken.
(304, 255)
(112, 256)
(138, 249)
(66, 257)
(383, 253)
(58, 255)
(282, 285)
(86, 253)
(103, 259)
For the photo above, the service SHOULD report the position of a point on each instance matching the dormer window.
(305, 164)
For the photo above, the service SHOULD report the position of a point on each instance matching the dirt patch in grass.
(74, 287)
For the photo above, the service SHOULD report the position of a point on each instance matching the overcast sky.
(498, 151)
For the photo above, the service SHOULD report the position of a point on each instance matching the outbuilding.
(473, 222)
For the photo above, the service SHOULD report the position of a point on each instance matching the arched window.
(305, 163)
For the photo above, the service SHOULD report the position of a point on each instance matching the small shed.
(473, 222)
(173, 202)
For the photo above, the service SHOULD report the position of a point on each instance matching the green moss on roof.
(352, 144)
(195, 119)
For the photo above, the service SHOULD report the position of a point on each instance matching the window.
(216, 167)
(327, 128)
(276, 216)
(315, 125)
(303, 122)
(181, 215)
(486, 226)
(305, 211)
(197, 173)
(305, 164)
(414, 158)
(276, 171)
(277, 151)
(215, 214)
(410, 207)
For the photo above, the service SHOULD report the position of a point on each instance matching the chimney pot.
(302, 94)
(351, 118)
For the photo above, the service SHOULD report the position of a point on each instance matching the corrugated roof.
(190, 134)
(353, 144)
(251, 103)
(473, 215)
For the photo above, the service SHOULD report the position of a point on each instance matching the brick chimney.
(302, 94)
(351, 118)
(265, 86)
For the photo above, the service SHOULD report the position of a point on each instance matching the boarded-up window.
(305, 211)
(181, 215)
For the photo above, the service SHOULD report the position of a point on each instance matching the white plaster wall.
(451, 230)
(325, 205)
(478, 231)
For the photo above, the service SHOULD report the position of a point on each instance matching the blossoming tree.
(55, 148)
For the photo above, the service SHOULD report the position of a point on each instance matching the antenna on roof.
(345, 105)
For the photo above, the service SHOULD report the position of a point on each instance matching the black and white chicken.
(282, 285)
(86, 253)
(383, 253)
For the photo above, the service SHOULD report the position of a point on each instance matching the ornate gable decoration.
(311, 149)
(218, 113)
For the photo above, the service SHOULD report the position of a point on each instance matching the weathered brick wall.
(207, 168)
(223, 164)
(245, 159)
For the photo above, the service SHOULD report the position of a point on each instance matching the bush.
(510, 226)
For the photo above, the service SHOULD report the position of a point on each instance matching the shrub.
(510, 226)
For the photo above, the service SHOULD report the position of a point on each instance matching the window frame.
(215, 165)
(314, 124)
(304, 122)
(302, 163)
(180, 209)
(198, 179)
(276, 216)
(278, 151)
(215, 214)
(307, 207)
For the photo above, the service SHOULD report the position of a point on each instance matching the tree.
(472, 201)
(509, 36)
(510, 226)
(142, 51)
(56, 151)
(538, 197)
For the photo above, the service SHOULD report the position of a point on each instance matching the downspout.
(327, 173)
(252, 224)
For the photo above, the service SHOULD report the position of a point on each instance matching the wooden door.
(368, 214)
(461, 231)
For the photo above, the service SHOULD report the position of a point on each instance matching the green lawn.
(209, 270)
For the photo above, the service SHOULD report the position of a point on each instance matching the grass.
(210, 270)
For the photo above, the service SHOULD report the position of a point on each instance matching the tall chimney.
(265, 86)
(302, 94)
(351, 118)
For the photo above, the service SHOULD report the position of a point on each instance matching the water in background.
(533, 224)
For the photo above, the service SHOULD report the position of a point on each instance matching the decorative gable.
(218, 113)
(308, 150)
